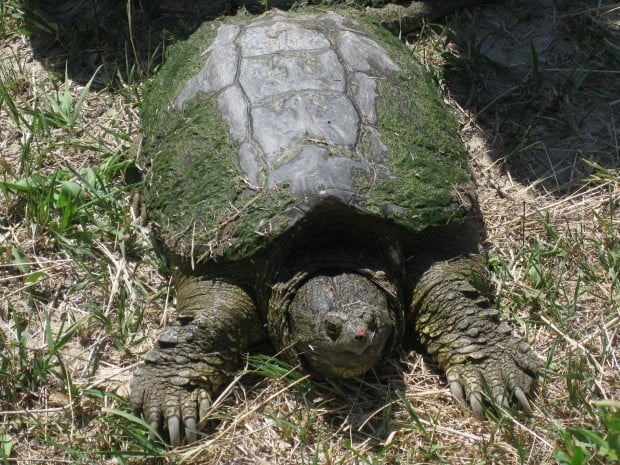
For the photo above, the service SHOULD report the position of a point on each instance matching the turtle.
(309, 187)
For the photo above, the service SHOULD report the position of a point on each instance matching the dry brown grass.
(544, 147)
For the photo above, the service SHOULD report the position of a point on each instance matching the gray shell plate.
(298, 95)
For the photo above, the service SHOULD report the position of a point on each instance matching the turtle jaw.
(332, 361)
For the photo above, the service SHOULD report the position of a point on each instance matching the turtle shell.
(254, 123)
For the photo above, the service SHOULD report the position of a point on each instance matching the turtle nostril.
(361, 334)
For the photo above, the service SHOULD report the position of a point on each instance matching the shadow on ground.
(126, 38)
(541, 79)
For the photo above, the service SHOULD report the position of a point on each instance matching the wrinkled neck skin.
(336, 307)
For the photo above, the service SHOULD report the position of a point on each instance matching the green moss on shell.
(196, 193)
(425, 152)
(201, 204)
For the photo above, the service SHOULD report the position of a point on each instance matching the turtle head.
(340, 324)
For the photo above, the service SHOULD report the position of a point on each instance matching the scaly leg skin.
(462, 333)
(173, 388)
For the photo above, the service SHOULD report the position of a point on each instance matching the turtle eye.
(372, 324)
(333, 329)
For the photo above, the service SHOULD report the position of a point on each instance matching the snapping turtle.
(311, 189)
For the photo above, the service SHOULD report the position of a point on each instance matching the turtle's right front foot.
(172, 391)
(167, 407)
(173, 388)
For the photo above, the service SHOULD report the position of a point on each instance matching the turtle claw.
(457, 392)
(154, 430)
(205, 405)
(152, 417)
(502, 400)
(168, 408)
(523, 402)
(475, 400)
(499, 395)
(190, 430)
(180, 417)
(499, 375)
(174, 430)
(458, 389)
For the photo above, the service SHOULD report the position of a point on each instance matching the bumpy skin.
(331, 233)
(339, 327)
(461, 331)
(216, 322)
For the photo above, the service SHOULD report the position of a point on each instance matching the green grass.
(83, 291)
(584, 444)
(64, 195)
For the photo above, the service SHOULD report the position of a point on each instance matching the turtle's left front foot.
(462, 332)
(506, 370)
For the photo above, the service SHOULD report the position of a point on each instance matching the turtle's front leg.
(461, 331)
(216, 322)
